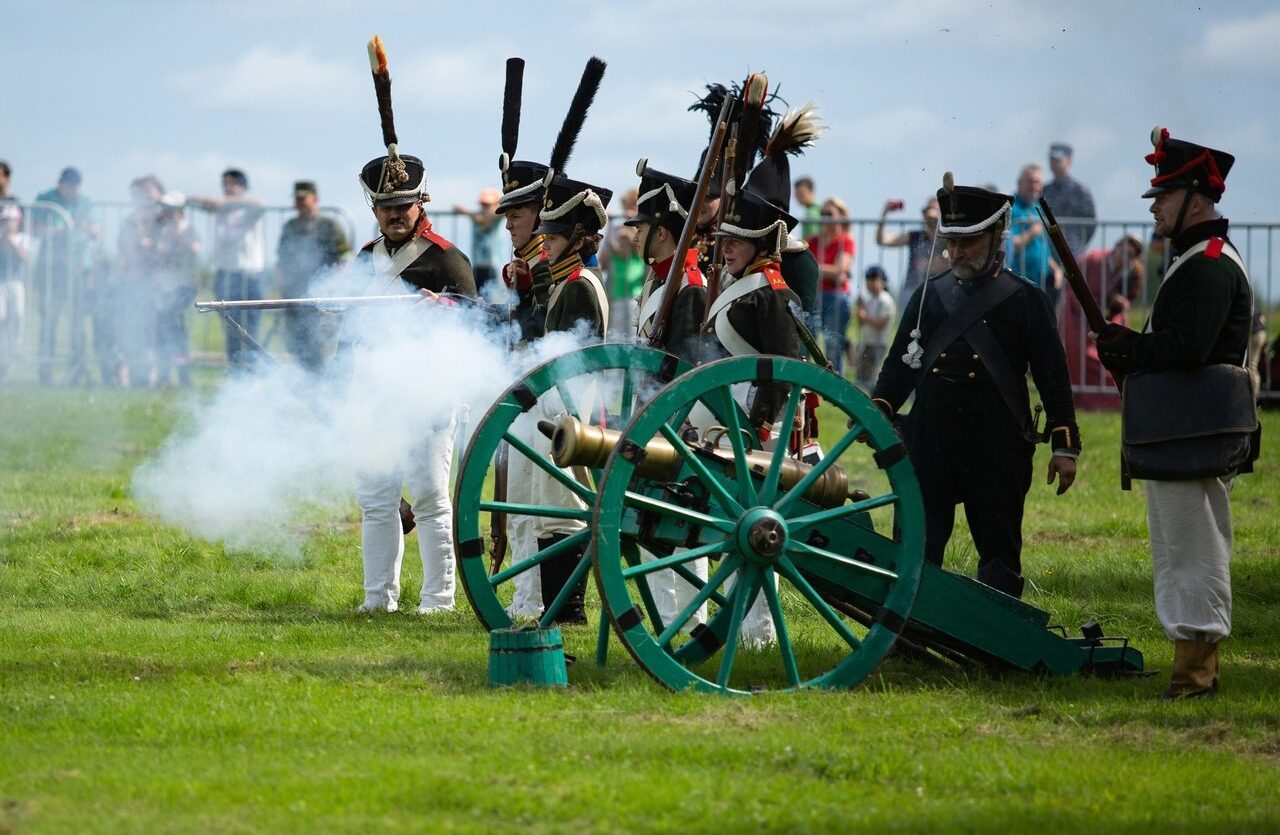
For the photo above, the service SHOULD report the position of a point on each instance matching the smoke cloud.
(274, 443)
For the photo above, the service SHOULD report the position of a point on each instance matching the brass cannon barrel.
(574, 444)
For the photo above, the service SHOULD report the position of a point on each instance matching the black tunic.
(530, 311)
(442, 268)
(680, 336)
(761, 318)
(965, 443)
(576, 302)
(1201, 316)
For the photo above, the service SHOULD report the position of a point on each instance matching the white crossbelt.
(728, 335)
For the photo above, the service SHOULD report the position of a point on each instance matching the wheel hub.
(762, 535)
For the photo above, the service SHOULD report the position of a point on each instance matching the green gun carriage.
(834, 550)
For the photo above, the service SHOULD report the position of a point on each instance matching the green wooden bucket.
(530, 655)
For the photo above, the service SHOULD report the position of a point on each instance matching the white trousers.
(426, 471)
(521, 539)
(671, 592)
(1190, 524)
(757, 627)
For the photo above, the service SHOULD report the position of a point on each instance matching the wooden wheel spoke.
(723, 573)
(567, 399)
(632, 556)
(675, 559)
(842, 629)
(675, 511)
(744, 591)
(770, 489)
(784, 636)
(627, 396)
(697, 582)
(800, 523)
(542, 510)
(572, 541)
(800, 548)
(746, 485)
(783, 504)
(726, 500)
(579, 571)
(581, 490)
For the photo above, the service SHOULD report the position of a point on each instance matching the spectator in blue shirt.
(1028, 248)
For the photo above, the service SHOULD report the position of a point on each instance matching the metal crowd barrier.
(1257, 243)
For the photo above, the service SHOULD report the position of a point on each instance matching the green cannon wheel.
(602, 382)
(765, 536)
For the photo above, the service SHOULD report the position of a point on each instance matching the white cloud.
(1244, 44)
(268, 78)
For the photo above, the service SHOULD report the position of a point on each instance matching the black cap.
(1060, 150)
(302, 187)
(969, 210)
(1186, 165)
(571, 204)
(394, 181)
(664, 198)
(522, 182)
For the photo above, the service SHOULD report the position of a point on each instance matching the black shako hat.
(572, 206)
(521, 184)
(664, 198)
(394, 181)
(969, 210)
(1186, 165)
(754, 217)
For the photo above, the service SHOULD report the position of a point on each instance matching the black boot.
(555, 574)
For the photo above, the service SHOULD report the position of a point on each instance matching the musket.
(717, 251)
(319, 302)
(676, 269)
(407, 522)
(1075, 278)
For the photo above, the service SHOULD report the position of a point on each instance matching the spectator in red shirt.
(833, 247)
(1115, 278)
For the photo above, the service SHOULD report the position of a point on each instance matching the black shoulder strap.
(964, 314)
(962, 311)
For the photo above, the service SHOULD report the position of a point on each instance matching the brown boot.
(1195, 669)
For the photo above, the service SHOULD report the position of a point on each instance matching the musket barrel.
(280, 304)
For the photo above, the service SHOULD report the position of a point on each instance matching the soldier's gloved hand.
(1117, 347)
(887, 410)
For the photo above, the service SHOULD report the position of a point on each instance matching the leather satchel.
(1187, 425)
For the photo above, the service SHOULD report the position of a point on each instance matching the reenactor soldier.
(963, 346)
(572, 217)
(407, 254)
(661, 213)
(1201, 317)
(554, 224)
(570, 222)
(527, 274)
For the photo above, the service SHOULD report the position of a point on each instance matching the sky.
(907, 90)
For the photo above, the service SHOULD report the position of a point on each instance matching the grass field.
(154, 682)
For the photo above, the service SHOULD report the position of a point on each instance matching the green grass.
(153, 682)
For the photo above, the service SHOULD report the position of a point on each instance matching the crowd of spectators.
(127, 314)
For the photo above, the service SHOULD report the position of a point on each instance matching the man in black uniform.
(964, 345)
(1201, 317)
